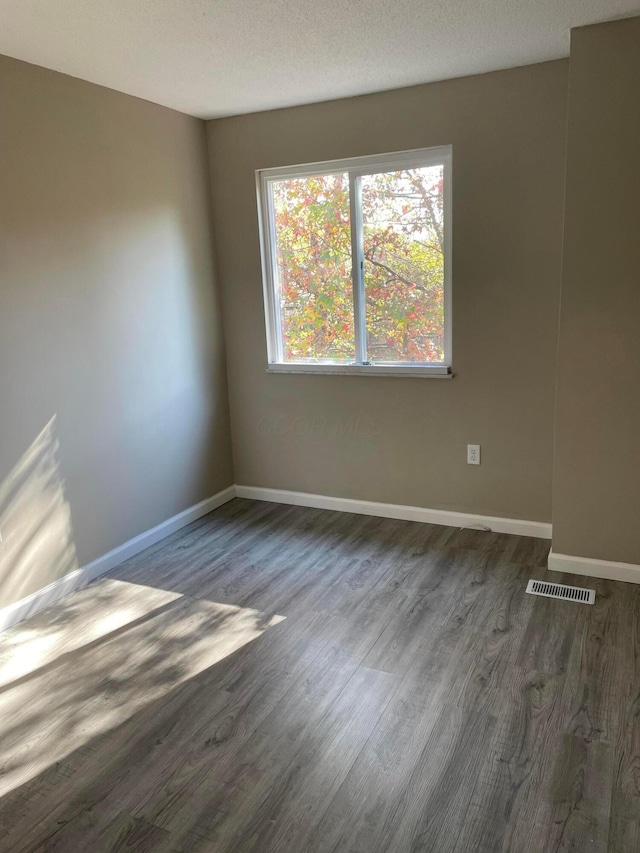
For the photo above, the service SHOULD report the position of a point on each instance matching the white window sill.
(436, 371)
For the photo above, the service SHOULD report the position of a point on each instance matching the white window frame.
(356, 167)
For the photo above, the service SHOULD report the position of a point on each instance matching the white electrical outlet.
(473, 454)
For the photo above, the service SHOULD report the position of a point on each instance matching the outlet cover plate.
(473, 454)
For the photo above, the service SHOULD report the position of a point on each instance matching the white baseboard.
(608, 569)
(539, 529)
(80, 577)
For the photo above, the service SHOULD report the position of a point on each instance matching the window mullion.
(357, 266)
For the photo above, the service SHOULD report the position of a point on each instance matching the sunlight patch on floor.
(81, 618)
(91, 662)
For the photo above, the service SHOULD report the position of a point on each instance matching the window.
(356, 258)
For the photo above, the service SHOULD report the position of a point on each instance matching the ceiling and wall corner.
(212, 59)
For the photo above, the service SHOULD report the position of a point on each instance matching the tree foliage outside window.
(400, 265)
(313, 240)
(403, 225)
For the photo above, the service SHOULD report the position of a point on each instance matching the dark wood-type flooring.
(275, 679)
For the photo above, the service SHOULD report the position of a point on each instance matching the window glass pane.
(403, 225)
(313, 248)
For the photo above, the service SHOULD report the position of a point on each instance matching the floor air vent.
(560, 590)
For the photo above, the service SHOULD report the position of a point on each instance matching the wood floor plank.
(210, 779)
(485, 665)
(439, 598)
(364, 803)
(428, 812)
(596, 671)
(503, 806)
(574, 814)
(624, 825)
(287, 810)
(123, 833)
(547, 642)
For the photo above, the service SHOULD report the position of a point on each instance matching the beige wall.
(113, 401)
(596, 495)
(391, 438)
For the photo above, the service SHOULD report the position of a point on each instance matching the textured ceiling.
(222, 57)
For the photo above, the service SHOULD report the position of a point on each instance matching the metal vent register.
(560, 590)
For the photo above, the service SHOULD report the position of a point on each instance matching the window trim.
(356, 167)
